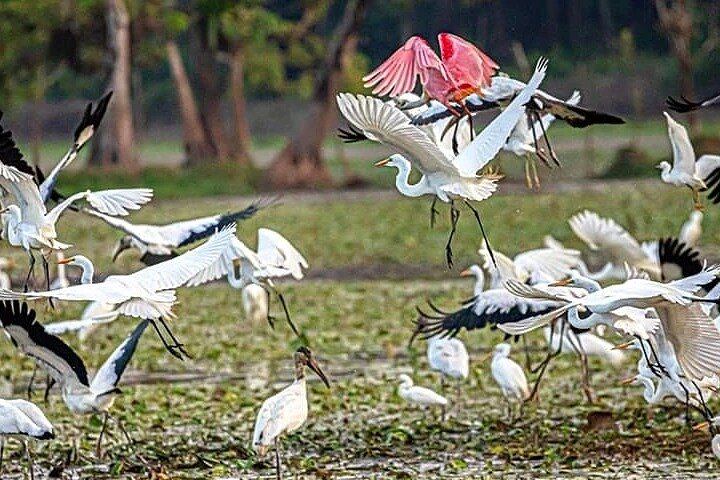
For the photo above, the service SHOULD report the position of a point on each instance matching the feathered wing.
(491, 140)
(503, 268)
(108, 376)
(469, 66)
(683, 152)
(18, 188)
(276, 413)
(399, 72)
(250, 263)
(48, 351)
(707, 168)
(275, 250)
(388, 125)
(677, 260)
(549, 118)
(684, 105)
(178, 271)
(694, 338)
(111, 202)
(66, 326)
(547, 264)
(606, 235)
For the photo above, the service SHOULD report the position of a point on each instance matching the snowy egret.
(509, 376)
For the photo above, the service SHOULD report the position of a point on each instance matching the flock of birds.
(659, 293)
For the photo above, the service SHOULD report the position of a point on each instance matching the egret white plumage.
(445, 175)
(509, 376)
(697, 174)
(591, 345)
(147, 293)
(275, 258)
(256, 302)
(23, 419)
(157, 243)
(5, 264)
(421, 396)
(81, 396)
(691, 231)
(449, 357)
(61, 279)
(287, 410)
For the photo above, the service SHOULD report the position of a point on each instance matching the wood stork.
(147, 293)
(23, 419)
(81, 396)
(448, 176)
(157, 243)
(509, 376)
(275, 258)
(287, 410)
(686, 171)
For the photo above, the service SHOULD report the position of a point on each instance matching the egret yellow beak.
(628, 381)
(623, 346)
(65, 261)
(561, 283)
(466, 273)
(704, 426)
(382, 163)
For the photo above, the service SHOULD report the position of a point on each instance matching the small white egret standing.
(20, 418)
(422, 396)
(449, 357)
(287, 410)
(509, 376)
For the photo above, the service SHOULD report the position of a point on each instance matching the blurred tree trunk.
(300, 163)
(116, 145)
(606, 22)
(210, 92)
(677, 23)
(242, 138)
(196, 142)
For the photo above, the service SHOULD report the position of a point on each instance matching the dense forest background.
(220, 73)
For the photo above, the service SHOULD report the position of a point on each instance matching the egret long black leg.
(176, 343)
(454, 142)
(2, 451)
(543, 365)
(433, 212)
(124, 432)
(547, 140)
(98, 451)
(538, 148)
(49, 383)
(287, 312)
(168, 347)
(704, 407)
(482, 230)
(576, 344)
(657, 360)
(454, 217)
(30, 383)
(278, 474)
(46, 271)
(32, 267)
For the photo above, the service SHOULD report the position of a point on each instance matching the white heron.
(287, 410)
(421, 396)
(524, 139)
(81, 396)
(256, 303)
(445, 175)
(509, 376)
(449, 357)
(691, 230)
(157, 243)
(275, 258)
(147, 293)
(687, 171)
(23, 419)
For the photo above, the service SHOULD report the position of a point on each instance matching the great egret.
(421, 396)
(524, 139)
(463, 69)
(276, 257)
(445, 175)
(81, 396)
(698, 175)
(509, 376)
(147, 293)
(591, 345)
(450, 358)
(287, 410)
(684, 105)
(157, 243)
(20, 418)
